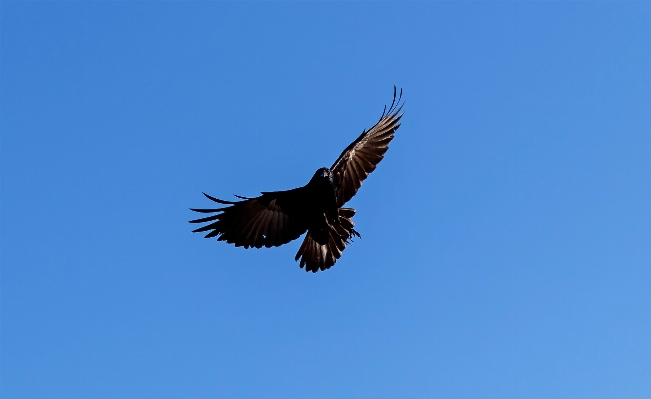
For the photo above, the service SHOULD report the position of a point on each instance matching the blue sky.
(506, 246)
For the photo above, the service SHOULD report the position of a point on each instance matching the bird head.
(323, 174)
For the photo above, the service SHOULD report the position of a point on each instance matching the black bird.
(278, 217)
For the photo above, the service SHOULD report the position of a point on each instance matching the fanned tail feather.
(317, 256)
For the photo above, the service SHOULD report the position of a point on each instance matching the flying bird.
(278, 217)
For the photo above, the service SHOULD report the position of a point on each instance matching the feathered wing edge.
(361, 157)
(252, 222)
(315, 256)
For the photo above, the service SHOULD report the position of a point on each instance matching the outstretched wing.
(270, 220)
(361, 157)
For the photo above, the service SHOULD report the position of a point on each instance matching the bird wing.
(272, 219)
(361, 157)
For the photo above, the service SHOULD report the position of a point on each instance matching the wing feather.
(253, 231)
(271, 219)
(361, 157)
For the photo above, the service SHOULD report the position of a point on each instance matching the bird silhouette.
(278, 217)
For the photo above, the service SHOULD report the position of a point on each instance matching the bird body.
(278, 217)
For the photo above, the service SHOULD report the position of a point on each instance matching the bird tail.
(321, 249)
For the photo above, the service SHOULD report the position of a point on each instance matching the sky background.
(506, 247)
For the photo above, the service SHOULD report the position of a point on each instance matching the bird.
(278, 217)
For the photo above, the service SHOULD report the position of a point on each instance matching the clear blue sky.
(506, 247)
